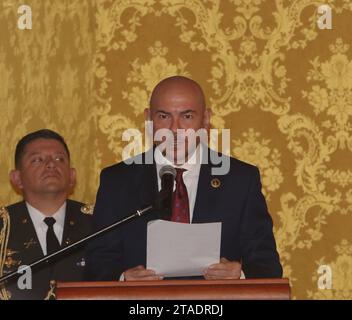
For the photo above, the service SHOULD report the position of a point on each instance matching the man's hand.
(224, 270)
(140, 273)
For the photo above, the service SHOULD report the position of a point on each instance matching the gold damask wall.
(282, 85)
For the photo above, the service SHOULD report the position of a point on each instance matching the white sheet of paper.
(182, 249)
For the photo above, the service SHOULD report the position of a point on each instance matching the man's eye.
(163, 116)
(188, 116)
(59, 159)
(37, 160)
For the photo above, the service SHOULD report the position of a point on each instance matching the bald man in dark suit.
(234, 198)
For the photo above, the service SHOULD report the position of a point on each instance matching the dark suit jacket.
(238, 203)
(24, 247)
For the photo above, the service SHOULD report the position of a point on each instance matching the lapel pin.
(215, 183)
(87, 209)
(81, 263)
(72, 223)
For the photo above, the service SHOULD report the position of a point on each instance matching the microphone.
(167, 175)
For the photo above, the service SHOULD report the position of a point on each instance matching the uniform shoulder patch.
(87, 209)
(4, 238)
(3, 212)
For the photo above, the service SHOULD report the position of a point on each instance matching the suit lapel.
(70, 221)
(203, 204)
(148, 185)
(31, 244)
(24, 247)
(208, 192)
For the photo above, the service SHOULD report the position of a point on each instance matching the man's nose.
(175, 125)
(50, 162)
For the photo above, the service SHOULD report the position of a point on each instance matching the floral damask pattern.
(149, 74)
(46, 81)
(257, 151)
(247, 7)
(341, 271)
(334, 97)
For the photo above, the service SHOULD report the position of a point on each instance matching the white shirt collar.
(38, 217)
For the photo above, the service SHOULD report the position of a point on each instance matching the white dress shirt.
(190, 177)
(41, 227)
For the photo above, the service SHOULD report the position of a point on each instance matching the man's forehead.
(42, 145)
(182, 110)
(178, 93)
(177, 102)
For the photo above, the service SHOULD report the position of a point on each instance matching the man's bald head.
(178, 105)
(176, 86)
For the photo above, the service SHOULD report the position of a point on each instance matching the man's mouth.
(51, 175)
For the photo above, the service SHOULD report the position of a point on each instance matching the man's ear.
(147, 114)
(15, 178)
(206, 119)
(148, 128)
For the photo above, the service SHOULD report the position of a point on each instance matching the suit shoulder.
(15, 206)
(115, 168)
(74, 203)
(16, 210)
(127, 167)
(235, 164)
(79, 208)
(78, 220)
(243, 165)
(245, 170)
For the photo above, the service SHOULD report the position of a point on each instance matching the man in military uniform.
(45, 221)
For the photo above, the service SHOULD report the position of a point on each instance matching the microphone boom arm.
(49, 257)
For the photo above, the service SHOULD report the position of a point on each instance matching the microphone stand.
(49, 257)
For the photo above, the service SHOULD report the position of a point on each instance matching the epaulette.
(87, 209)
(4, 238)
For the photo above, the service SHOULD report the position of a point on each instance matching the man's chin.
(180, 159)
(177, 153)
(52, 188)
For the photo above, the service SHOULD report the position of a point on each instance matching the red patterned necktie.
(180, 203)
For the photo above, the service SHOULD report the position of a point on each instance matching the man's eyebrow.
(162, 111)
(62, 153)
(182, 112)
(34, 153)
(188, 111)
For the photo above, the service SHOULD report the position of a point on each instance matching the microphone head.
(163, 201)
(167, 170)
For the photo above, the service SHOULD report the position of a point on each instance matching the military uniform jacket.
(23, 248)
